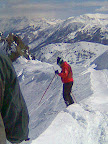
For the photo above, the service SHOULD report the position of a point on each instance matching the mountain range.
(81, 42)
(37, 33)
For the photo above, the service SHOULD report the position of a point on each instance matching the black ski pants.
(67, 87)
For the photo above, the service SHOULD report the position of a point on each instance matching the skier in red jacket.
(67, 79)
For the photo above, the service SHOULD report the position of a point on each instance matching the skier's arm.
(64, 73)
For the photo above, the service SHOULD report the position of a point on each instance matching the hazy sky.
(51, 8)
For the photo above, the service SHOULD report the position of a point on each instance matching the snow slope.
(85, 122)
(102, 61)
(34, 77)
(50, 121)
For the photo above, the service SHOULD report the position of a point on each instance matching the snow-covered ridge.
(87, 117)
(92, 28)
(19, 23)
(91, 19)
(76, 53)
(82, 123)
(95, 18)
(85, 122)
(41, 32)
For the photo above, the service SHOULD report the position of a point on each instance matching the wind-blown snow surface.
(34, 77)
(50, 122)
(85, 122)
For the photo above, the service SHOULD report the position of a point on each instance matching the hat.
(59, 61)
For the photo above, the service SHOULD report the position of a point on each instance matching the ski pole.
(46, 89)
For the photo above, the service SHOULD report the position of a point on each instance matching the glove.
(56, 72)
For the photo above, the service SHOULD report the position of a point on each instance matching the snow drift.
(102, 61)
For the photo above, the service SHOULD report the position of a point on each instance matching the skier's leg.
(66, 96)
(66, 93)
(71, 101)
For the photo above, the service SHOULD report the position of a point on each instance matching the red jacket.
(66, 73)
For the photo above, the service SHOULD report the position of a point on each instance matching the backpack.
(14, 110)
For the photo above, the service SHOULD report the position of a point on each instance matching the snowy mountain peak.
(41, 32)
(97, 16)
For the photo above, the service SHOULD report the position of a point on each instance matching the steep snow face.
(79, 121)
(34, 77)
(102, 61)
(85, 122)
